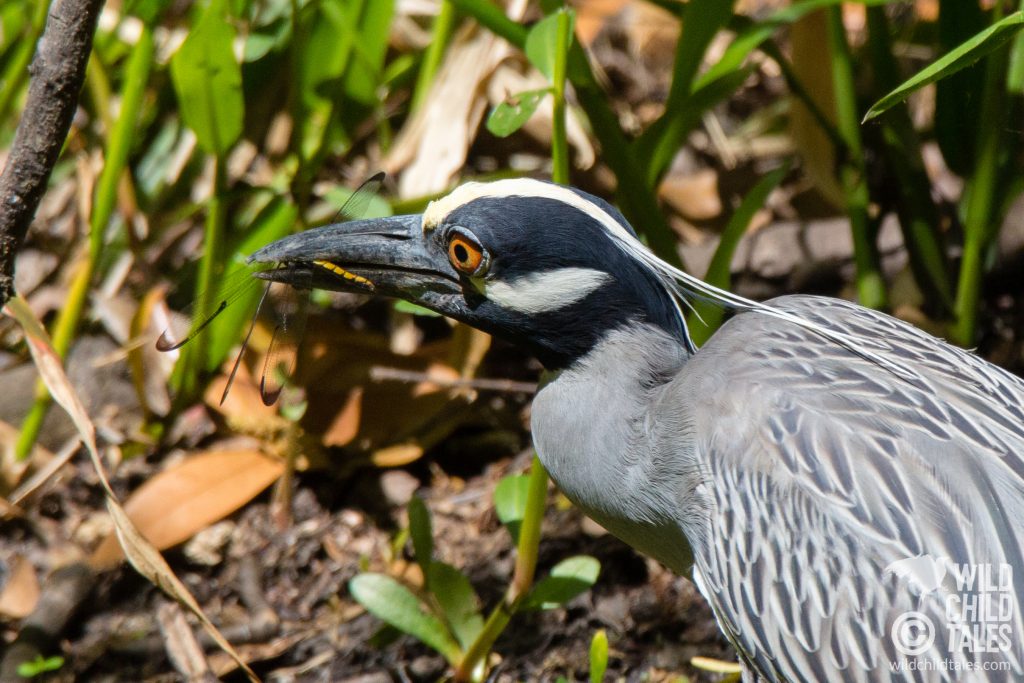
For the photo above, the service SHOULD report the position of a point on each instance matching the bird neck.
(590, 428)
(633, 307)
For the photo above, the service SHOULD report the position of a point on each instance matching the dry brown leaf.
(592, 16)
(13, 470)
(397, 456)
(345, 425)
(184, 499)
(149, 367)
(151, 564)
(243, 407)
(336, 362)
(433, 144)
(146, 560)
(20, 595)
(694, 196)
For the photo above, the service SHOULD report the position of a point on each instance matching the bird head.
(538, 264)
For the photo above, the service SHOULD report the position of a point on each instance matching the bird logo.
(922, 573)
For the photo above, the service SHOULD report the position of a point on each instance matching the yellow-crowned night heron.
(845, 490)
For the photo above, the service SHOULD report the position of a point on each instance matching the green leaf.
(395, 604)
(273, 222)
(422, 535)
(40, 665)
(956, 59)
(403, 306)
(367, 68)
(598, 656)
(458, 601)
(208, 82)
(1015, 74)
(510, 115)
(754, 34)
(542, 42)
(568, 579)
(510, 502)
(719, 272)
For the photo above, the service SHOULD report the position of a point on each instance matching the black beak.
(390, 256)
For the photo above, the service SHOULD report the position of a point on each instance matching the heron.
(845, 490)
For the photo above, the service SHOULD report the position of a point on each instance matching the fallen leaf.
(21, 593)
(345, 425)
(149, 367)
(396, 456)
(182, 500)
(151, 564)
(143, 556)
(694, 196)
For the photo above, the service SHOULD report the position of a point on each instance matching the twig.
(58, 72)
(380, 373)
(29, 487)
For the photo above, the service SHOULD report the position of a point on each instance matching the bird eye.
(466, 256)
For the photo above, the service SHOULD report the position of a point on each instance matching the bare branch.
(58, 71)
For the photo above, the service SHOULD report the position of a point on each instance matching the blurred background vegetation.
(732, 136)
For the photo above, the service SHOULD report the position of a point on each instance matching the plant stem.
(195, 355)
(522, 579)
(852, 171)
(979, 226)
(442, 31)
(902, 147)
(559, 140)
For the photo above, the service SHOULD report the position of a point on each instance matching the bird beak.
(390, 256)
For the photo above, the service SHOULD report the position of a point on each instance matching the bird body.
(818, 474)
(845, 490)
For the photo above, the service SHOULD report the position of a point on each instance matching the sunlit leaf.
(510, 115)
(208, 82)
(510, 502)
(964, 55)
(757, 32)
(542, 42)
(568, 578)
(366, 70)
(395, 604)
(598, 656)
(458, 601)
(403, 306)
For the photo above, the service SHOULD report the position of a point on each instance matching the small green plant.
(598, 656)
(39, 666)
(445, 614)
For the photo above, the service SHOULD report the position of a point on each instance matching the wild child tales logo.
(977, 611)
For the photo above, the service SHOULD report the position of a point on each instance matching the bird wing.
(825, 474)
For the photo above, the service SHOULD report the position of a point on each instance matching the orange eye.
(466, 256)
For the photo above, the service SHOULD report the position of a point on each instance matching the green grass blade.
(992, 38)
(422, 534)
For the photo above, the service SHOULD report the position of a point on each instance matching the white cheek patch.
(547, 291)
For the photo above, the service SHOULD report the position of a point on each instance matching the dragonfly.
(282, 352)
